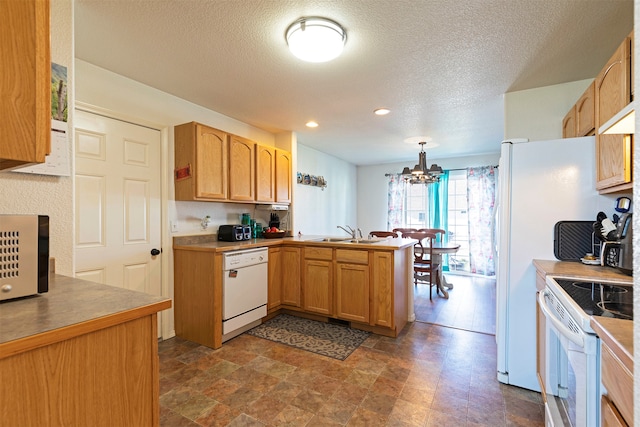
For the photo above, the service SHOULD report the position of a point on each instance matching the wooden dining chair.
(439, 232)
(403, 231)
(425, 270)
(383, 234)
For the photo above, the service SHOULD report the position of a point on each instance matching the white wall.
(49, 195)
(320, 211)
(537, 114)
(372, 186)
(107, 90)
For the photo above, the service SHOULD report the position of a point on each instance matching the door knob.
(155, 252)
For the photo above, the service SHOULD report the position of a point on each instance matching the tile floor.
(429, 376)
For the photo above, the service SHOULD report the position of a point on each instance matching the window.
(416, 215)
(458, 226)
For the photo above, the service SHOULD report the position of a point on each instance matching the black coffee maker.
(618, 252)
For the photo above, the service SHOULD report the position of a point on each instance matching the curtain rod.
(458, 169)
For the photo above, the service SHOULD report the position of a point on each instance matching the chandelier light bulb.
(316, 39)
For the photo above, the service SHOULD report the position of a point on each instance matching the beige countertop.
(70, 307)
(579, 270)
(208, 243)
(616, 333)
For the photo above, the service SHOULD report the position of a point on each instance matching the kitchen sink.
(332, 239)
(365, 240)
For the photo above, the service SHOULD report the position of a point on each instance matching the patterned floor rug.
(327, 339)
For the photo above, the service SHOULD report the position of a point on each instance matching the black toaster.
(234, 233)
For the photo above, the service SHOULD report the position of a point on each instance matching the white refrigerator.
(540, 183)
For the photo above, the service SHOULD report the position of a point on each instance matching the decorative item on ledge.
(312, 180)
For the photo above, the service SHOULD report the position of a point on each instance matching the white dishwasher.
(244, 290)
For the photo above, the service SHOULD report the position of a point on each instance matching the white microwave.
(24, 255)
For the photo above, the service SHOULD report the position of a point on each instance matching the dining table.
(440, 249)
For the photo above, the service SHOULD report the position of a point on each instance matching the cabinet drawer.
(618, 381)
(318, 253)
(352, 256)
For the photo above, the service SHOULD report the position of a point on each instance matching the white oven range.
(571, 374)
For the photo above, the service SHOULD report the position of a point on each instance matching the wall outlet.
(174, 226)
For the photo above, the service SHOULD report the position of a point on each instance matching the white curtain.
(481, 192)
(396, 196)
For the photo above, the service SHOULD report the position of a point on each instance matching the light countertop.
(69, 307)
(208, 243)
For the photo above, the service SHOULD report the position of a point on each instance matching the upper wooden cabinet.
(613, 163)
(569, 124)
(585, 112)
(612, 93)
(25, 128)
(265, 173)
(241, 169)
(212, 165)
(201, 162)
(613, 83)
(283, 176)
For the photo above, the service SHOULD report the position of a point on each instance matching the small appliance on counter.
(234, 233)
(24, 255)
(618, 252)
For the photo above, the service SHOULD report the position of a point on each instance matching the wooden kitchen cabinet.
(618, 382)
(290, 257)
(585, 113)
(265, 173)
(201, 163)
(283, 176)
(274, 294)
(25, 128)
(569, 124)
(612, 93)
(317, 280)
(383, 298)
(197, 290)
(352, 285)
(614, 162)
(241, 169)
(82, 354)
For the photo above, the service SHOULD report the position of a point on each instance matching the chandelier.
(420, 174)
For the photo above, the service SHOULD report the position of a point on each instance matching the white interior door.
(117, 203)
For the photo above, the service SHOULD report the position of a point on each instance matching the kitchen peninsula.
(81, 354)
(362, 282)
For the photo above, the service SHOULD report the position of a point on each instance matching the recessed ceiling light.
(312, 124)
(382, 111)
(315, 39)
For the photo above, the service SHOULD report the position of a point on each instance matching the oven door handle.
(575, 338)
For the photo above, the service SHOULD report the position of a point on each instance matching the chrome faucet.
(350, 231)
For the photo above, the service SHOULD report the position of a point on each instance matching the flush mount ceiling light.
(311, 124)
(420, 174)
(315, 39)
(381, 111)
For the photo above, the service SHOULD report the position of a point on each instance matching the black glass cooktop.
(601, 299)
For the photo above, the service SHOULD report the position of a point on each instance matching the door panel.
(117, 203)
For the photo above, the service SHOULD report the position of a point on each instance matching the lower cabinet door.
(317, 286)
(352, 287)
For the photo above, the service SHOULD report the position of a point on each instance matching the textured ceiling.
(441, 66)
